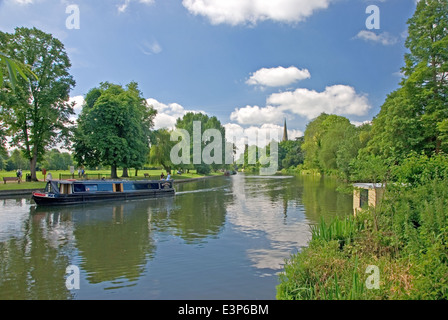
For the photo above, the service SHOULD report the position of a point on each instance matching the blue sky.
(251, 63)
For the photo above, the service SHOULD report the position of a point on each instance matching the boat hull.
(44, 199)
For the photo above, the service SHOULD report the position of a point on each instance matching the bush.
(406, 238)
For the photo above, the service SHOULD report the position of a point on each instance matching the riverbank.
(13, 192)
(396, 251)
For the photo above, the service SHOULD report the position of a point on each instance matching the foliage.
(37, 113)
(206, 122)
(114, 128)
(56, 160)
(14, 67)
(407, 240)
(290, 153)
(161, 146)
(332, 143)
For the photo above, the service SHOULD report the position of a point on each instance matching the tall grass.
(342, 230)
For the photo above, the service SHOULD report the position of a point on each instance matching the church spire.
(285, 132)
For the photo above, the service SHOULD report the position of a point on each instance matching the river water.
(220, 238)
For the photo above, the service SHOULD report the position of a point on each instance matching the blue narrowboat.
(65, 192)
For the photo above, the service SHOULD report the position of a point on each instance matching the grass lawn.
(153, 174)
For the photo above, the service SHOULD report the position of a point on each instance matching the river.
(220, 238)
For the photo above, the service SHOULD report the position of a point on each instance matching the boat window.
(141, 186)
(154, 186)
(79, 188)
(91, 187)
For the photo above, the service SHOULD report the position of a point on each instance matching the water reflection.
(263, 211)
(223, 238)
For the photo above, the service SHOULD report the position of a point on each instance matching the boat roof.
(70, 181)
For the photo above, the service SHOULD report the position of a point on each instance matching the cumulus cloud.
(167, 114)
(235, 12)
(277, 77)
(384, 38)
(255, 115)
(256, 135)
(338, 99)
(79, 102)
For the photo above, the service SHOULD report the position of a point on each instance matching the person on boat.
(162, 176)
(167, 184)
(49, 176)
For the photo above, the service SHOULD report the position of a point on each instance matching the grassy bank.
(153, 174)
(405, 239)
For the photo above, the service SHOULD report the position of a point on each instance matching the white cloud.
(79, 102)
(360, 123)
(277, 77)
(236, 12)
(240, 136)
(338, 99)
(167, 114)
(384, 38)
(22, 2)
(149, 48)
(123, 7)
(256, 115)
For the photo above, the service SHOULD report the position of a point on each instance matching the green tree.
(114, 128)
(56, 160)
(206, 122)
(16, 161)
(322, 139)
(426, 69)
(37, 113)
(14, 67)
(354, 140)
(397, 129)
(160, 151)
(291, 153)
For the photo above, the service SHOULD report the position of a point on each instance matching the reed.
(342, 230)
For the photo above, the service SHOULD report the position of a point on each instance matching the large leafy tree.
(415, 117)
(321, 140)
(114, 128)
(397, 129)
(290, 153)
(426, 69)
(36, 114)
(161, 145)
(187, 123)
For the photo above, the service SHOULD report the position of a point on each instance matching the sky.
(250, 63)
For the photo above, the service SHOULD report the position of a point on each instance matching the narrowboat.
(65, 192)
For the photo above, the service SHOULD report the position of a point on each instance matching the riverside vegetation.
(405, 147)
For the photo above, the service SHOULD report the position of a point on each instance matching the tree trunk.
(136, 172)
(113, 172)
(33, 163)
(125, 173)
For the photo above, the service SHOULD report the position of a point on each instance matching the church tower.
(285, 132)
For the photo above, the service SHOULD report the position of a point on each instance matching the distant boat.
(66, 192)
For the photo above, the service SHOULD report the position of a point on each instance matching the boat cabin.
(68, 187)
